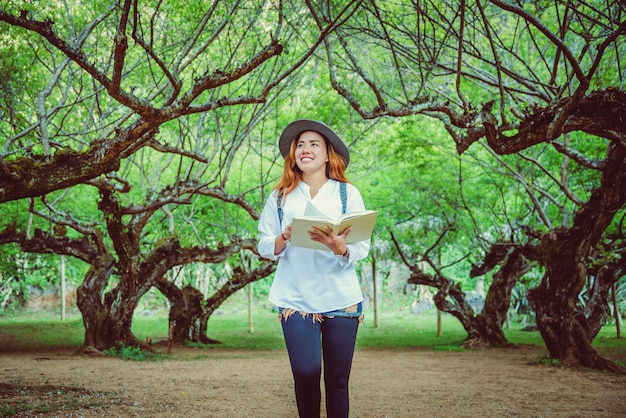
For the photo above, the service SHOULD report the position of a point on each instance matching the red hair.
(292, 175)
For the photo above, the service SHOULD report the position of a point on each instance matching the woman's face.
(311, 152)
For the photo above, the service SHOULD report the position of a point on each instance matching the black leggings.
(306, 341)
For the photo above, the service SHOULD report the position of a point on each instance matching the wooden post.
(250, 300)
(170, 336)
(246, 262)
(616, 314)
(439, 323)
(62, 288)
(439, 331)
(375, 287)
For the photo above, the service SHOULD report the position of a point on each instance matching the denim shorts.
(353, 311)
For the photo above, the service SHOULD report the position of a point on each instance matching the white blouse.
(308, 280)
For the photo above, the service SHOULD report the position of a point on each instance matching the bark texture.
(564, 253)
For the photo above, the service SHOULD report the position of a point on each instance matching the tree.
(515, 77)
(145, 143)
(117, 73)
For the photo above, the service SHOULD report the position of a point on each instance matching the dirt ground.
(235, 383)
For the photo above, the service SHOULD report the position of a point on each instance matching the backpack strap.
(279, 205)
(344, 197)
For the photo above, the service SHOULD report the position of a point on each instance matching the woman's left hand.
(336, 243)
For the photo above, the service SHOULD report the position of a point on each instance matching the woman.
(317, 292)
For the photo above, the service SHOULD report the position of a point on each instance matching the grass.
(397, 329)
(133, 353)
(40, 333)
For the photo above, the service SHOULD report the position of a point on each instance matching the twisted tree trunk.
(185, 312)
(564, 252)
(491, 319)
(107, 317)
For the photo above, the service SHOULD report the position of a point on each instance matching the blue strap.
(279, 204)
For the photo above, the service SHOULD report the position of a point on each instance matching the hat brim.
(294, 129)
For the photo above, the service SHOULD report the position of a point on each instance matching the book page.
(312, 210)
(350, 215)
(362, 227)
(362, 224)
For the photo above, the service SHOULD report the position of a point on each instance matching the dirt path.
(231, 383)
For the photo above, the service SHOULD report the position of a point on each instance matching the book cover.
(362, 224)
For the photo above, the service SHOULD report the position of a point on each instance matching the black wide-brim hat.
(295, 128)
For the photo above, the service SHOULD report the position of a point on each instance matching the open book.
(362, 224)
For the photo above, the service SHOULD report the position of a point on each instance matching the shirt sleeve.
(269, 229)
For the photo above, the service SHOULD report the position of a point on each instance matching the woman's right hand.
(286, 234)
(282, 239)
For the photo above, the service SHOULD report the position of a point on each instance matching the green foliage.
(10, 274)
(423, 186)
(16, 81)
(548, 362)
(133, 353)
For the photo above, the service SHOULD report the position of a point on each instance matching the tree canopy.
(140, 138)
